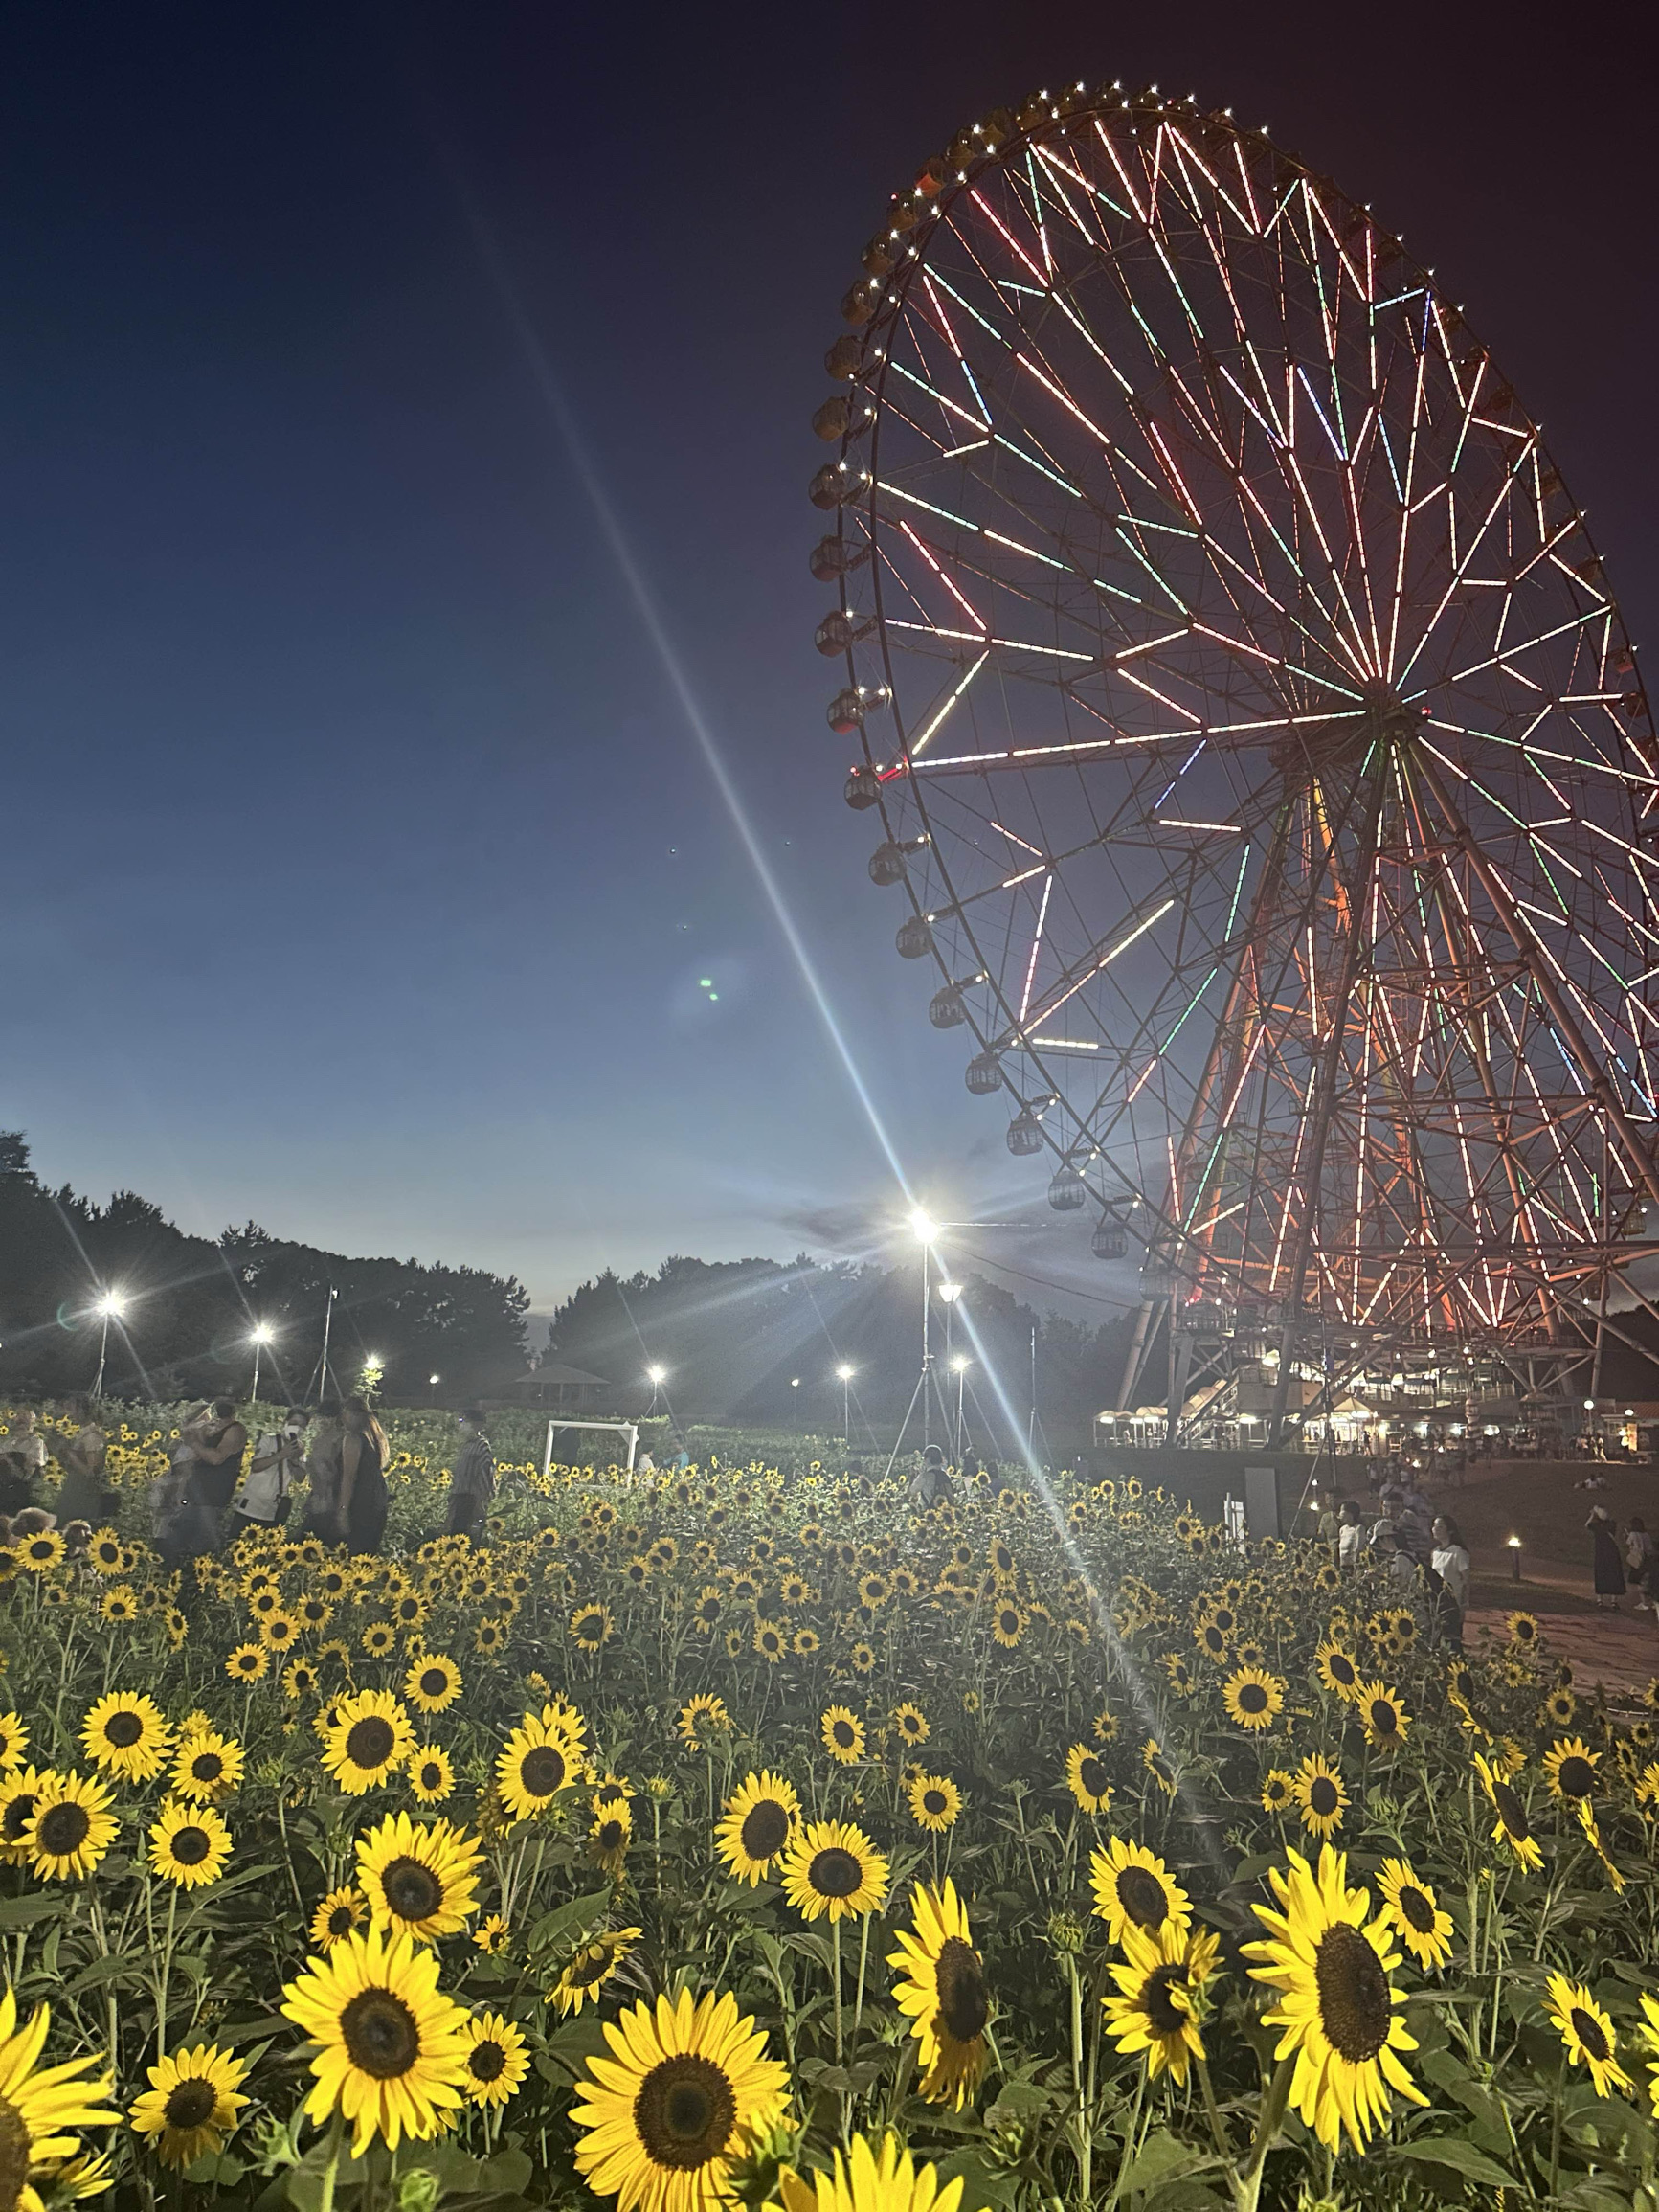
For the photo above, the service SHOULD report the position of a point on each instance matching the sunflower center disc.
(610, 1836)
(1322, 1796)
(1510, 1811)
(1588, 2031)
(190, 2104)
(487, 2061)
(964, 2003)
(380, 2036)
(342, 1920)
(431, 1776)
(1093, 1777)
(1142, 1897)
(208, 1769)
(542, 1770)
(1382, 1716)
(1576, 1778)
(765, 1827)
(1163, 2015)
(121, 1730)
(18, 1815)
(1415, 1908)
(1253, 1699)
(936, 1803)
(370, 1741)
(433, 1682)
(15, 2145)
(835, 1873)
(61, 1830)
(411, 1890)
(685, 2111)
(189, 1847)
(1354, 2003)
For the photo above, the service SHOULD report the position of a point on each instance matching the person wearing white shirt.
(1350, 1535)
(1451, 1560)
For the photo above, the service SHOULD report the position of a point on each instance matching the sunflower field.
(728, 1836)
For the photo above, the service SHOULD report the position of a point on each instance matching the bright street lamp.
(959, 1365)
(922, 1225)
(655, 1376)
(950, 1292)
(845, 1376)
(111, 1305)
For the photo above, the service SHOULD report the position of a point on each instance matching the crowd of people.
(214, 1491)
(1427, 1560)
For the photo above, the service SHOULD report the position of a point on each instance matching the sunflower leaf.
(1461, 2156)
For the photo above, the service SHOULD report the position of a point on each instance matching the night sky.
(361, 864)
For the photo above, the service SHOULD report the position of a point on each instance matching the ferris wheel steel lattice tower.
(1260, 752)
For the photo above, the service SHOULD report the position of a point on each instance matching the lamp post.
(1514, 1551)
(656, 1377)
(926, 1229)
(845, 1376)
(959, 1365)
(260, 1339)
(111, 1304)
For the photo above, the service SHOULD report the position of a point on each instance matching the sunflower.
(866, 2180)
(128, 1736)
(1383, 1713)
(107, 1553)
(206, 1765)
(702, 1718)
(842, 1735)
(341, 1913)
(862, 1658)
(759, 1818)
(1336, 1668)
(1182, 1680)
(71, 1828)
(14, 1742)
(429, 1775)
(942, 1991)
(804, 1642)
(1008, 1622)
(1570, 1768)
(279, 1630)
(392, 2048)
(188, 1845)
(1105, 1726)
(1254, 1698)
(681, 2098)
(119, 1603)
(591, 1626)
(1088, 1779)
(1211, 1640)
(1157, 1767)
(1412, 1907)
(1278, 1791)
(536, 1763)
(935, 1802)
(1558, 1710)
(419, 1881)
(1340, 2014)
(1587, 2034)
(367, 1740)
(40, 1552)
(911, 1724)
(1320, 1795)
(1133, 1888)
(497, 2060)
(592, 1968)
(432, 1682)
(489, 1636)
(770, 1640)
(20, 1792)
(608, 1841)
(1524, 1631)
(249, 1662)
(1154, 2012)
(37, 2109)
(831, 1867)
(1512, 1825)
(192, 2104)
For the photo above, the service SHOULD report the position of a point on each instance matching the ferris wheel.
(1258, 752)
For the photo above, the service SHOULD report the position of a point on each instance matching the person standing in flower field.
(472, 1484)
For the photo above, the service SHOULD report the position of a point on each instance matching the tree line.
(189, 1305)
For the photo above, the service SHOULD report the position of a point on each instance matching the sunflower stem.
(863, 1962)
(1556, 2129)
(1084, 2118)
(1247, 2181)
(1213, 2112)
(166, 1975)
(331, 2171)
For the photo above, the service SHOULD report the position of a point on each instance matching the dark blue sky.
(360, 865)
